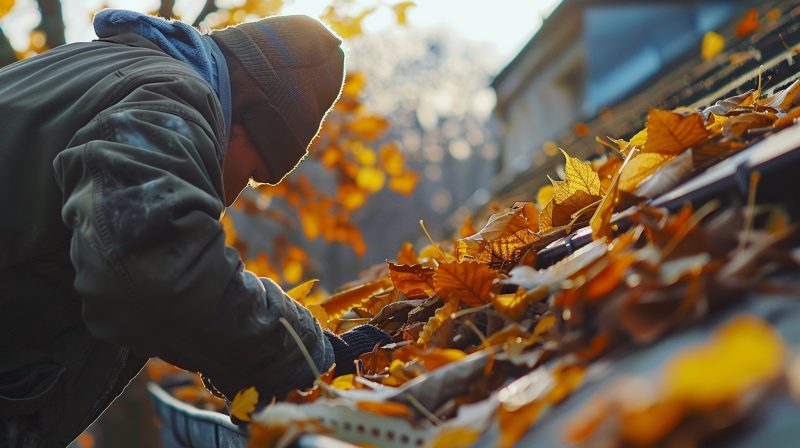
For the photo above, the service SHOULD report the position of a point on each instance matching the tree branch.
(52, 23)
(209, 7)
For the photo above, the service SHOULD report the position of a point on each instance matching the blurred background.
(451, 109)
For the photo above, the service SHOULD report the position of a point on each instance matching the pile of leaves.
(476, 326)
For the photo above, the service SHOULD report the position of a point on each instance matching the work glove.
(348, 346)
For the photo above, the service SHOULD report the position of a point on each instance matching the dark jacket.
(111, 250)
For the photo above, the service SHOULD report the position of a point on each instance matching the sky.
(506, 25)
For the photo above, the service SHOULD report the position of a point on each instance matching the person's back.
(45, 348)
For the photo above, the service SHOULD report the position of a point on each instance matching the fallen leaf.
(244, 403)
(300, 292)
(742, 354)
(342, 302)
(738, 125)
(713, 44)
(455, 437)
(641, 167)
(579, 175)
(414, 281)
(468, 282)
(503, 239)
(670, 132)
(440, 316)
(406, 255)
(384, 408)
(748, 25)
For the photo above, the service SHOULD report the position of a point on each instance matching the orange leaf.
(670, 132)
(748, 25)
(369, 127)
(384, 408)
(351, 196)
(406, 255)
(391, 159)
(439, 357)
(468, 282)
(404, 183)
(415, 281)
(244, 403)
(342, 302)
(300, 292)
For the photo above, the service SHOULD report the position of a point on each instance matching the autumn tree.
(350, 146)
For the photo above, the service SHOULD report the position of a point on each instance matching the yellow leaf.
(469, 283)
(641, 167)
(544, 195)
(712, 45)
(744, 353)
(354, 84)
(400, 10)
(579, 175)
(300, 292)
(670, 132)
(370, 179)
(455, 437)
(5, 7)
(344, 382)
(244, 403)
(511, 305)
(293, 272)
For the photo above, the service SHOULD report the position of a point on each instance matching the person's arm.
(141, 192)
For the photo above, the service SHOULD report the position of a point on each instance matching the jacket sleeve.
(141, 190)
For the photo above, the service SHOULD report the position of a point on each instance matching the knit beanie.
(286, 73)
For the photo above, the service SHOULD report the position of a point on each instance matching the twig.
(301, 346)
(422, 410)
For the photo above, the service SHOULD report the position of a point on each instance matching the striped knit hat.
(286, 73)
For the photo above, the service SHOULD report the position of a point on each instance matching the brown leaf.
(503, 239)
(670, 132)
(469, 282)
(414, 281)
(738, 125)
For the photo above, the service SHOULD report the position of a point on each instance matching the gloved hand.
(350, 345)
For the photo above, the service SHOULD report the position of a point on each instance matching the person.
(117, 159)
